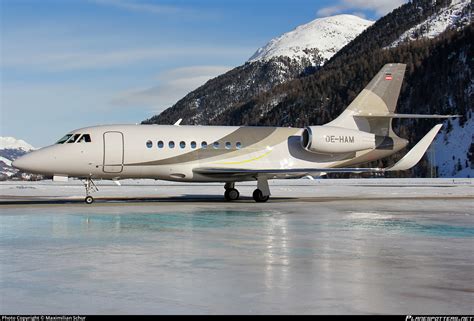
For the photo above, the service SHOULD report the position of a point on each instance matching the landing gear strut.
(231, 194)
(262, 193)
(90, 188)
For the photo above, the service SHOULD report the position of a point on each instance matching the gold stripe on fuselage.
(246, 161)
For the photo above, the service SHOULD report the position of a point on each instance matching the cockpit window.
(65, 138)
(73, 138)
(86, 138)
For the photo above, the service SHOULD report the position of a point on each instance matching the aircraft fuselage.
(169, 152)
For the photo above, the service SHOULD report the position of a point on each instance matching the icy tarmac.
(326, 246)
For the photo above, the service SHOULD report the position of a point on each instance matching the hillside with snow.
(320, 38)
(10, 149)
(451, 148)
(455, 16)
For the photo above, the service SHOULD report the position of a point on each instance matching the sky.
(67, 64)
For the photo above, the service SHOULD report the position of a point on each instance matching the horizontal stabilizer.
(391, 115)
(417, 152)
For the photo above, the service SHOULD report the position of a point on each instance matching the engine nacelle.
(336, 140)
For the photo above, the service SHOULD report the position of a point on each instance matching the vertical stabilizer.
(378, 98)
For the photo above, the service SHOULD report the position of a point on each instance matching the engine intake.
(336, 140)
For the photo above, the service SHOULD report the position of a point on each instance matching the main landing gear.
(260, 195)
(231, 194)
(90, 188)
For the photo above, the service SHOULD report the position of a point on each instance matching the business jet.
(229, 154)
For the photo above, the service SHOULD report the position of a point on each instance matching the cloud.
(140, 6)
(329, 11)
(380, 7)
(148, 7)
(359, 14)
(86, 60)
(173, 85)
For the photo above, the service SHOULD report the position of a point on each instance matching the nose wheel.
(89, 199)
(90, 187)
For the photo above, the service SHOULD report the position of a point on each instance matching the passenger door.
(113, 152)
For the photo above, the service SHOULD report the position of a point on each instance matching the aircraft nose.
(24, 163)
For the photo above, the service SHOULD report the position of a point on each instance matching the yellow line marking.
(247, 160)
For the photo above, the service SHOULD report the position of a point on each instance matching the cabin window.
(216, 145)
(171, 144)
(149, 144)
(65, 138)
(238, 145)
(182, 144)
(228, 145)
(193, 145)
(73, 138)
(204, 145)
(160, 144)
(86, 138)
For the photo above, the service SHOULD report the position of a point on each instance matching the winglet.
(178, 122)
(417, 152)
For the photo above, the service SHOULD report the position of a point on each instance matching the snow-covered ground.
(327, 35)
(281, 189)
(319, 247)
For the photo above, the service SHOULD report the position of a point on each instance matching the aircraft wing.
(407, 162)
(210, 171)
(392, 115)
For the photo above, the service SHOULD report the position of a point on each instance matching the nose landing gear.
(90, 188)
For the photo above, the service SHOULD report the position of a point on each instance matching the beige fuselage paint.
(121, 151)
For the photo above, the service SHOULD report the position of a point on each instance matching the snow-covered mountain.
(13, 143)
(289, 56)
(320, 38)
(454, 16)
(10, 149)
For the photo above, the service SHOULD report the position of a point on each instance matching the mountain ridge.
(8, 142)
(323, 36)
(10, 149)
(206, 103)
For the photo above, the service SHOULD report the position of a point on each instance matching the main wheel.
(231, 194)
(89, 200)
(258, 196)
